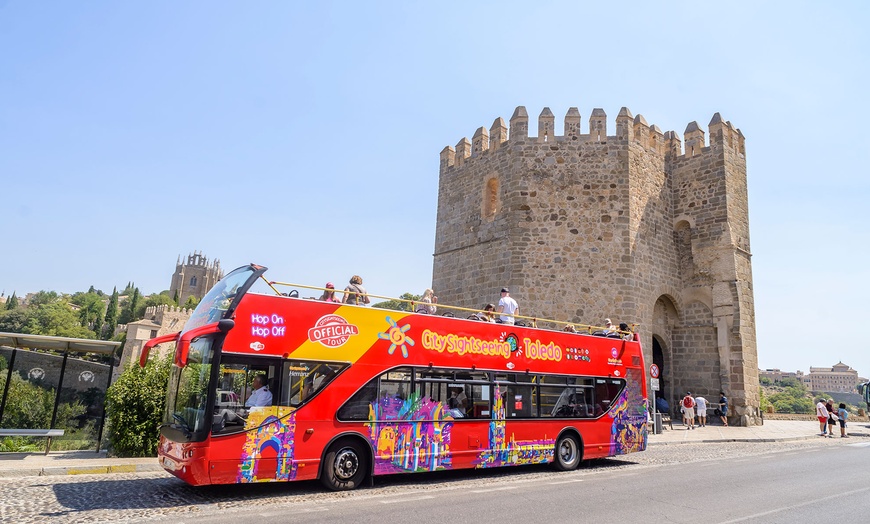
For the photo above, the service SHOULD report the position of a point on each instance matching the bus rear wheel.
(344, 466)
(567, 453)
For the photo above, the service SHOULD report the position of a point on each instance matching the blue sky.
(305, 136)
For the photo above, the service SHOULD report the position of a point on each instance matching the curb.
(79, 470)
(722, 440)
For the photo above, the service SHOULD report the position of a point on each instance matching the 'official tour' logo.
(332, 331)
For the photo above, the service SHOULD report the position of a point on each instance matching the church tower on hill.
(194, 277)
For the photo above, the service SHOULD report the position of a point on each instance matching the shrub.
(135, 404)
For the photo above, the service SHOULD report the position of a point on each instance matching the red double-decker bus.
(279, 388)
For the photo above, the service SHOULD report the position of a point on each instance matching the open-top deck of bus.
(359, 391)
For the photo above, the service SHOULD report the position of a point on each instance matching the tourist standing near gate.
(701, 410)
(689, 411)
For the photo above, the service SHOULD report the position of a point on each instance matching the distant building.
(159, 320)
(776, 375)
(837, 379)
(194, 278)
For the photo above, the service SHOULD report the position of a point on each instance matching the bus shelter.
(53, 383)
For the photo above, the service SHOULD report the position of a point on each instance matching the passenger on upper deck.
(625, 331)
(487, 315)
(570, 328)
(427, 303)
(608, 327)
(329, 294)
(355, 293)
(507, 307)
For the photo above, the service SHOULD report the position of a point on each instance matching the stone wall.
(586, 226)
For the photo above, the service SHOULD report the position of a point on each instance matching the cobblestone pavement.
(142, 497)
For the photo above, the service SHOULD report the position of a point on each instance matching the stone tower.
(627, 226)
(194, 278)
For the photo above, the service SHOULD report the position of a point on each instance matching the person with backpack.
(689, 411)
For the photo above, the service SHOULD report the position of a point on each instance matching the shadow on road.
(169, 492)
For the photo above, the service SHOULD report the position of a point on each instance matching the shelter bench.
(44, 433)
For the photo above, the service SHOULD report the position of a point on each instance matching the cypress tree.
(12, 303)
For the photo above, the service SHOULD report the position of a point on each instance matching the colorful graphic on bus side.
(501, 452)
(404, 445)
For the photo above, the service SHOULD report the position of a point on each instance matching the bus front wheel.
(344, 466)
(567, 453)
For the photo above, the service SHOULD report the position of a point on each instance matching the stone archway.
(665, 320)
(661, 358)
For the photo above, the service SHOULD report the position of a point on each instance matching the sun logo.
(397, 338)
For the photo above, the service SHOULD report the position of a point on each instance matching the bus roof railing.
(577, 328)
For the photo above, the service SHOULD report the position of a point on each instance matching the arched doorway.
(659, 360)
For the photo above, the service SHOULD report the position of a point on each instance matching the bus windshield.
(215, 304)
(188, 392)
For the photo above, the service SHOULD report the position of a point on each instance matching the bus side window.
(396, 384)
(359, 405)
(479, 401)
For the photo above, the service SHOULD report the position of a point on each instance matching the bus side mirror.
(183, 349)
(143, 358)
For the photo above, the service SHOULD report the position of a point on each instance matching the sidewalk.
(771, 431)
(89, 462)
(71, 463)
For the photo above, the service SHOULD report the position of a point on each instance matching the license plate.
(169, 464)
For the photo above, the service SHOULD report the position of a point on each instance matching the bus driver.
(260, 396)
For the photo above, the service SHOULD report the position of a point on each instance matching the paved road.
(730, 482)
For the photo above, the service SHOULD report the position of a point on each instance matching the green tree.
(43, 298)
(153, 300)
(191, 302)
(15, 320)
(399, 305)
(57, 319)
(91, 308)
(29, 406)
(12, 303)
(128, 313)
(111, 316)
(135, 404)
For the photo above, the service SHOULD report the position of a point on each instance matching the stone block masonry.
(636, 226)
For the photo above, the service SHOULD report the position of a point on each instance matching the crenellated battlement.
(152, 311)
(629, 129)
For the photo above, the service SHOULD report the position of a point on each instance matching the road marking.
(791, 506)
(300, 510)
(565, 482)
(406, 499)
(503, 488)
(860, 445)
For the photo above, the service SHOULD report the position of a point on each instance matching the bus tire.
(344, 466)
(568, 454)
